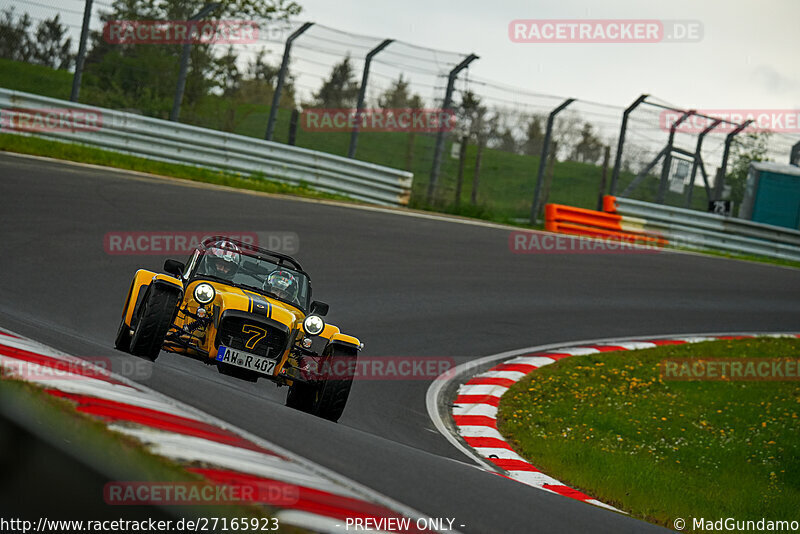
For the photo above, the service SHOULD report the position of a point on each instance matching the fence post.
(293, 127)
(76, 78)
(719, 184)
(462, 155)
(446, 105)
(606, 158)
(698, 161)
(543, 158)
(184, 66)
(621, 142)
(362, 93)
(276, 97)
(662, 186)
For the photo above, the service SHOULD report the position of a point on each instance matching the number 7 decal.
(258, 334)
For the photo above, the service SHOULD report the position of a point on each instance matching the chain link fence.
(491, 161)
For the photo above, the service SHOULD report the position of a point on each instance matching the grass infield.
(609, 425)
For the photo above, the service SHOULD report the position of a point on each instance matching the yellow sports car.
(248, 311)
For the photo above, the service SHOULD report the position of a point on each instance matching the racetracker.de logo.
(180, 32)
(199, 493)
(50, 119)
(604, 31)
(378, 120)
(763, 120)
(542, 243)
(181, 243)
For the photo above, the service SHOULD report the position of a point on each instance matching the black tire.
(153, 322)
(327, 398)
(301, 397)
(123, 339)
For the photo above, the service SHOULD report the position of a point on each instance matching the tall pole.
(621, 142)
(698, 159)
(184, 67)
(362, 94)
(720, 182)
(662, 186)
(543, 158)
(76, 78)
(446, 105)
(276, 97)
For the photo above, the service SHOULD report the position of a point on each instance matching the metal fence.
(705, 231)
(499, 162)
(163, 140)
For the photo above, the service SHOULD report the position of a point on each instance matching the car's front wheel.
(328, 397)
(153, 321)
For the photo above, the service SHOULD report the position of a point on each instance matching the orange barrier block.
(610, 204)
(600, 224)
(588, 231)
(562, 213)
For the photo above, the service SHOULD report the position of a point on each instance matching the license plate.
(253, 362)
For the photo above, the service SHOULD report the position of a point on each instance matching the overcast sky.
(748, 57)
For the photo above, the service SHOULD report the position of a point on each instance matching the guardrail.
(693, 229)
(29, 114)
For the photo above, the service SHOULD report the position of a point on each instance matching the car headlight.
(313, 325)
(204, 293)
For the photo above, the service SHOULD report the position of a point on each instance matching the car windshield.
(250, 270)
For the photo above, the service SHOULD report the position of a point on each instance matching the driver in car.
(282, 284)
(222, 259)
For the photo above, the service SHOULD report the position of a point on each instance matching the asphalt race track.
(407, 286)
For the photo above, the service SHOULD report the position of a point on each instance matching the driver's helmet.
(223, 259)
(283, 284)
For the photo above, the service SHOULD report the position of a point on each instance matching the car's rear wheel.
(328, 397)
(153, 321)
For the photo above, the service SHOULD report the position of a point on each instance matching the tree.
(226, 74)
(534, 136)
(340, 90)
(51, 48)
(144, 76)
(747, 148)
(15, 43)
(589, 148)
(258, 83)
(399, 96)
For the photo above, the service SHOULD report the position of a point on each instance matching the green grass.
(609, 425)
(58, 419)
(85, 154)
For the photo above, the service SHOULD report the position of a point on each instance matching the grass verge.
(659, 449)
(85, 154)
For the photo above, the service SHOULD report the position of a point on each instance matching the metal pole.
(794, 157)
(543, 158)
(184, 66)
(698, 160)
(621, 142)
(362, 94)
(76, 78)
(276, 97)
(448, 98)
(662, 186)
(720, 183)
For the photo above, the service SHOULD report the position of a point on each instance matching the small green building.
(772, 194)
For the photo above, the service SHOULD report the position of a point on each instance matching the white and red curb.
(202, 444)
(473, 413)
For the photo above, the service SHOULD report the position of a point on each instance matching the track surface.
(407, 286)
